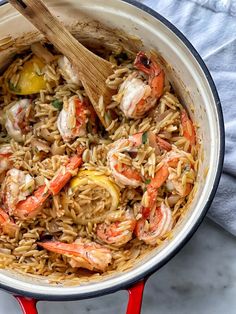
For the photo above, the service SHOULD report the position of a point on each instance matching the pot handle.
(28, 305)
(135, 297)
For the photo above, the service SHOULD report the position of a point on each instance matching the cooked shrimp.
(174, 181)
(40, 145)
(68, 71)
(119, 232)
(167, 174)
(5, 162)
(155, 225)
(138, 97)
(123, 173)
(31, 206)
(188, 128)
(7, 225)
(157, 221)
(16, 186)
(72, 119)
(16, 119)
(91, 255)
(175, 185)
(152, 190)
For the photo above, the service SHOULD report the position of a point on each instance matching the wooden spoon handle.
(39, 15)
(93, 70)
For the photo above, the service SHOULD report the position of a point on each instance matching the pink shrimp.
(158, 222)
(17, 119)
(125, 174)
(68, 71)
(32, 205)
(90, 255)
(188, 128)
(155, 221)
(165, 175)
(117, 233)
(139, 97)
(5, 161)
(72, 119)
(7, 225)
(16, 186)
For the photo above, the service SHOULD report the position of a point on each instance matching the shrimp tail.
(30, 207)
(143, 63)
(156, 75)
(61, 179)
(7, 225)
(152, 189)
(160, 178)
(87, 255)
(188, 128)
(60, 247)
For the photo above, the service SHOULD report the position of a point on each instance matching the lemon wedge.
(31, 78)
(86, 176)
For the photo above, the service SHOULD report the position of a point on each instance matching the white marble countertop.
(201, 279)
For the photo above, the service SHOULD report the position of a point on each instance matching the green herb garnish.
(144, 137)
(58, 104)
(148, 181)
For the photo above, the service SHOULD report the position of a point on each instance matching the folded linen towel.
(219, 5)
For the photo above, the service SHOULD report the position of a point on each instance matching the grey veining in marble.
(201, 279)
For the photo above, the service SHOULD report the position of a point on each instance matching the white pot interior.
(196, 93)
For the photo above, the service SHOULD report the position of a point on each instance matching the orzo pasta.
(79, 202)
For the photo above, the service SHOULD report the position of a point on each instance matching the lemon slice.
(86, 176)
(31, 78)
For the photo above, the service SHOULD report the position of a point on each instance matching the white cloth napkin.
(211, 27)
(219, 5)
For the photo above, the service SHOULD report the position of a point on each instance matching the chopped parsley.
(148, 181)
(144, 137)
(57, 104)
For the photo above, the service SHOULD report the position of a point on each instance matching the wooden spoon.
(93, 70)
